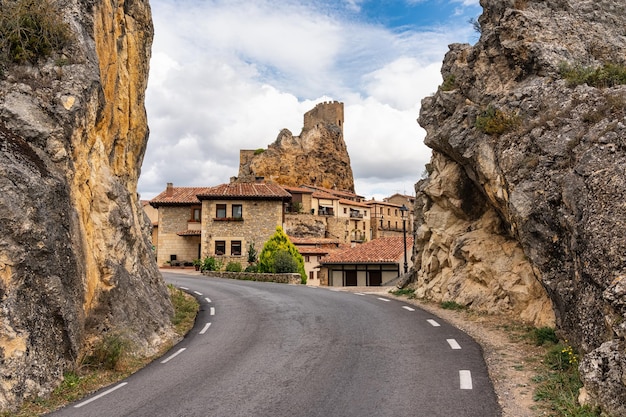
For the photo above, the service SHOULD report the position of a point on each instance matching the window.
(220, 247)
(388, 212)
(237, 211)
(195, 214)
(220, 211)
(235, 248)
(306, 258)
(396, 212)
(310, 275)
(365, 213)
(345, 210)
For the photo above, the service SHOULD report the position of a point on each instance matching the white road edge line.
(433, 323)
(181, 350)
(196, 292)
(101, 395)
(205, 328)
(212, 311)
(359, 293)
(408, 308)
(382, 299)
(208, 300)
(466, 379)
(453, 344)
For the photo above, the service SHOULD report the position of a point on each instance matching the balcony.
(228, 219)
(356, 215)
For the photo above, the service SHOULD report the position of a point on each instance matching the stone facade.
(258, 223)
(172, 243)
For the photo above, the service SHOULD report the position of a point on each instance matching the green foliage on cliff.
(607, 75)
(31, 29)
(279, 255)
(494, 121)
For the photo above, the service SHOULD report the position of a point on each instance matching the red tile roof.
(353, 203)
(324, 196)
(338, 193)
(385, 250)
(251, 190)
(179, 196)
(298, 190)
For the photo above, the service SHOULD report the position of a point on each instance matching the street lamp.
(403, 211)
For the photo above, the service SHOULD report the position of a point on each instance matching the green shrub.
(494, 121)
(252, 253)
(210, 264)
(259, 151)
(30, 30)
(108, 351)
(545, 335)
(449, 83)
(452, 305)
(284, 263)
(607, 75)
(233, 267)
(277, 243)
(252, 268)
(185, 310)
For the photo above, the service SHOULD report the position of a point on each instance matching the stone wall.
(253, 276)
(172, 220)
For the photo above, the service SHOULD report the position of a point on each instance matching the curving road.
(273, 350)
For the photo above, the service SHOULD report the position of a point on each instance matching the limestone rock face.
(75, 259)
(318, 156)
(555, 179)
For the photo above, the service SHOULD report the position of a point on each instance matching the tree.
(277, 249)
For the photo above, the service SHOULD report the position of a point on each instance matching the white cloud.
(230, 74)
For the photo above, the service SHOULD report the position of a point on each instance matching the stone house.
(236, 215)
(313, 250)
(221, 221)
(386, 219)
(370, 264)
(179, 224)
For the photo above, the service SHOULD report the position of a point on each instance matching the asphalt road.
(274, 350)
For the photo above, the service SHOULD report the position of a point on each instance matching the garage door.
(376, 278)
(350, 278)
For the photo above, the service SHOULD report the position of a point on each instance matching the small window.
(220, 247)
(306, 258)
(363, 225)
(311, 275)
(237, 211)
(389, 224)
(396, 212)
(235, 248)
(345, 210)
(388, 212)
(396, 225)
(365, 213)
(220, 211)
(195, 214)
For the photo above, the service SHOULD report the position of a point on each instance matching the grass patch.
(607, 75)
(110, 361)
(449, 84)
(494, 121)
(452, 305)
(409, 292)
(30, 30)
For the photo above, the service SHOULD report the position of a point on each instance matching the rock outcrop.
(75, 259)
(318, 156)
(527, 182)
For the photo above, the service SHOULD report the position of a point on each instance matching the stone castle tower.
(328, 112)
(318, 156)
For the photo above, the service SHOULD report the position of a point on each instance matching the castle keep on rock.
(318, 156)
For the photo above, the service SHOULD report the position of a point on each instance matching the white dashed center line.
(205, 328)
(196, 292)
(433, 323)
(208, 300)
(101, 395)
(359, 293)
(466, 379)
(383, 299)
(212, 311)
(169, 358)
(453, 344)
(408, 308)
(184, 288)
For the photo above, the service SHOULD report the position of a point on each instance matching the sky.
(227, 75)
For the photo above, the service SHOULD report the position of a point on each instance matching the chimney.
(169, 191)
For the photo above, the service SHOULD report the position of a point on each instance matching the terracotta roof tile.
(324, 196)
(353, 203)
(338, 193)
(382, 250)
(179, 196)
(190, 233)
(298, 190)
(245, 190)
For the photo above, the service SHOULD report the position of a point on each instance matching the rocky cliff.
(75, 260)
(524, 208)
(318, 156)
